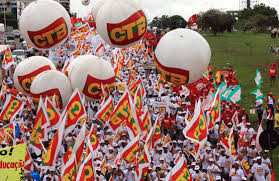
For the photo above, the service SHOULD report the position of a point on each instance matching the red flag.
(8, 59)
(180, 171)
(49, 159)
(3, 91)
(28, 161)
(75, 111)
(52, 113)
(11, 107)
(130, 151)
(196, 130)
(86, 171)
(93, 140)
(214, 113)
(157, 134)
(105, 111)
(39, 132)
(192, 20)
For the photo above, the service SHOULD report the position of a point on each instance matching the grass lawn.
(246, 52)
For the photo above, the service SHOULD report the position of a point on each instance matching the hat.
(218, 178)
(266, 151)
(210, 159)
(161, 158)
(208, 148)
(229, 123)
(3, 143)
(254, 159)
(243, 178)
(259, 157)
(193, 163)
(248, 124)
(253, 144)
(197, 167)
(98, 169)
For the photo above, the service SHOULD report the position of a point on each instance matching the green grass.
(246, 52)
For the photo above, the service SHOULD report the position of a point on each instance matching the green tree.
(214, 20)
(172, 22)
(177, 21)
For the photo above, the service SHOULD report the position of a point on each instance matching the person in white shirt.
(249, 131)
(236, 173)
(197, 175)
(265, 160)
(252, 153)
(259, 170)
(212, 169)
(205, 157)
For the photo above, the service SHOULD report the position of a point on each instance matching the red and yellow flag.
(130, 151)
(103, 166)
(105, 111)
(196, 130)
(52, 113)
(214, 111)
(11, 107)
(8, 59)
(86, 172)
(40, 128)
(180, 171)
(75, 110)
(93, 140)
(3, 91)
(53, 150)
(120, 113)
(157, 134)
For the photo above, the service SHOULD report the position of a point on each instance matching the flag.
(215, 111)
(105, 112)
(188, 117)
(40, 128)
(225, 141)
(142, 170)
(3, 91)
(180, 171)
(192, 20)
(258, 93)
(120, 113)
(28, 161)
(157, 134)
(130, 151)
(75, 111)
(69, 171)
(59, 52)
(53, 150)
(222, 87)
(166, 140)
(258, 78)
(103, 166)
(246, 168)
(8, 59)
(86, 171)
(135, 86)
(232, 144)
(223, 127)
(218, 76)
(260, 130)
(100, 50)
(226, 93)
(196, 130)
(235, 95)
(52, 113)
(235, 119)
(93, 140)
(138, 102)
(132, 121)
(11, 108)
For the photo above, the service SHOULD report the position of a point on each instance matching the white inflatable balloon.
(50, 83)
(85, 2)
(88, 73)
(45, 24)
(182, 56)
(121, 23)
(28, 69)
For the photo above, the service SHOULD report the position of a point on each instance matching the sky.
(184, 8)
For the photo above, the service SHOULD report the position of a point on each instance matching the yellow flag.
(12, 162)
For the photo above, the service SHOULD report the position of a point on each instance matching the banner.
(12, 162)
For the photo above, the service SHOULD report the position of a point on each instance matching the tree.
(172, 22)
(261, 16)
(214, 20)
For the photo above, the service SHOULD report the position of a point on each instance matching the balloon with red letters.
(182, 56)
(45, 24)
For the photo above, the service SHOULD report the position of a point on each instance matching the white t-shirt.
(236, 175)
(259, 171)
(213, 168)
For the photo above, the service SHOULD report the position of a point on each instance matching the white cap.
(210, 159)
(197, 167)
(248, 124)
(193, 163)
(243, 178)
(253, 144)
(161, 158)
(218, 178)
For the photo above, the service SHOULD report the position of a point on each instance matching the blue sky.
(185, 8)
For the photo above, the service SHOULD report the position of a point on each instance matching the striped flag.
(258, 78)
(214, 113)
(3, 91)
(86, 171)
(105, 111)
(130, 151)
(180, 171)
(8, 59)
(235, 95)
(52, 113)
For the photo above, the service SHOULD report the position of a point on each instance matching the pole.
(5, 14)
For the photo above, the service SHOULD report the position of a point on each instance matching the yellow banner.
(12, 161)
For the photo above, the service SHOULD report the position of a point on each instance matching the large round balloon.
(52, 83)
(45, 24)
(121, 24)
(96, 7)
(182, 56)
(28, 69)
(89, 73)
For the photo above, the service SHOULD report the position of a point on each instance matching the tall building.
(247, 4)
(65, 4)
(12, 6)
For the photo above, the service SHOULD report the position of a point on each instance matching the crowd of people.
(213, 161)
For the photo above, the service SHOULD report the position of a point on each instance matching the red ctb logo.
(128, 31)
(51, 35)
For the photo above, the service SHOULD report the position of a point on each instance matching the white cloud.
(185, 8)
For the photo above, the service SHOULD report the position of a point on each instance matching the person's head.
(253, 145)
(210, 161)
(197, 169)
(208, 150)
(259, 160)
(265, 154)
(236, 165)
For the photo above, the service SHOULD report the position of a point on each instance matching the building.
(12, 6)
(65, 4)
